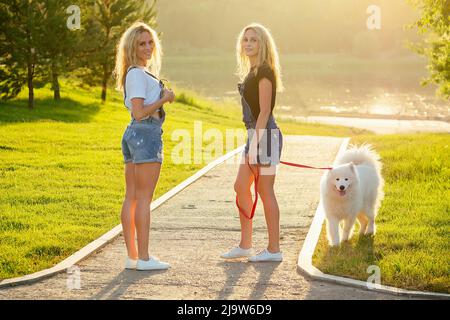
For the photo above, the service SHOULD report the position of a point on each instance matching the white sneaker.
(151, 264)
(237, 252)
(130, 263)
(265, 255)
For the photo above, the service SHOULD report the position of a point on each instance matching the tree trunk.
(30, 86)
(31, 59)
(105, 68)
(104, 82)
(55, 83)
(30, 75)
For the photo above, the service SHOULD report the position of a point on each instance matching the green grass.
(61, 170)
(412, 244)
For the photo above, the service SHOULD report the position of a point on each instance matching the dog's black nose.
(342, 187)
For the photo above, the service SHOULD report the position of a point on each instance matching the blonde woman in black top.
(258, 68)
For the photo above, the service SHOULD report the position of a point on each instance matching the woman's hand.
(253, 151)
(168, 95)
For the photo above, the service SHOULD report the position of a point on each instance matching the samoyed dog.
(352, 190)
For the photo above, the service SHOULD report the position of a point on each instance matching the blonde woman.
(258, 68)
(138, 63)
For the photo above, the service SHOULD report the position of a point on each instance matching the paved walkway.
(190, 231)
(382, 126)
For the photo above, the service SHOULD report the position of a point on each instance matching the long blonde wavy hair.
(126, 52)
(267, 54)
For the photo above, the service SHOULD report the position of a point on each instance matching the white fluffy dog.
(352, 190)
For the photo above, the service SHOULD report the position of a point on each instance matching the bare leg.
(271, 211)
(242, 185)
(147, 175)
(128, 210)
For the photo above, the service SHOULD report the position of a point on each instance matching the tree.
(36, 44)
(59, 45)
(21, 34)
(435, 21)
(106, 21)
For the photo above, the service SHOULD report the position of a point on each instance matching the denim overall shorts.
(271, 142)
(142, 140)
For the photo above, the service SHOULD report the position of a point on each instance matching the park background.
(61, 119)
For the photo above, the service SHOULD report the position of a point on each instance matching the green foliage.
(59, 45)
(37, 47)
(21, 35)
(12, 78)
(435, 22)
(103, 22)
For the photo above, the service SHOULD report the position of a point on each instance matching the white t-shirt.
(139, 84)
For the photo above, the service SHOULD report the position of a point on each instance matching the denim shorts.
(269, 148)
(142, 141)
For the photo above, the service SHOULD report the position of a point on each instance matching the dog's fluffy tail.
(363, 154)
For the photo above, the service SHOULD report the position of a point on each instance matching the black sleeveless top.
(251, 87)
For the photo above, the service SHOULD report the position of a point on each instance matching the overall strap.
(125, 84)
(160, 112)
(151, 75)
(125, 90)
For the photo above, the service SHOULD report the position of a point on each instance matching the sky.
(298, 26)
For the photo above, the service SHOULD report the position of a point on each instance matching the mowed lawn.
(61, 169)
(412, 243)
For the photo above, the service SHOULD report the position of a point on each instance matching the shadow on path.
(120, 284)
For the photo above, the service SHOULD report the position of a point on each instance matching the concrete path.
(382, 126)
(190, 231)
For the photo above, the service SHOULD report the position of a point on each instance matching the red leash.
(252, 213)
(303, 166)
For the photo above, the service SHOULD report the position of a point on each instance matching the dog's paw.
(334, 244)
(371, 229)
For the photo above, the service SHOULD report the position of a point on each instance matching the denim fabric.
(271, 142)
(142, 141)
(269, 148)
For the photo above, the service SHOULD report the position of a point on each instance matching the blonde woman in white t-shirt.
(138, 63)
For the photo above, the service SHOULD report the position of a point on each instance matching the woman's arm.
(139, 110)
(265, 103)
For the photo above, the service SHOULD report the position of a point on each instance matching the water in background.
(324, 85)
